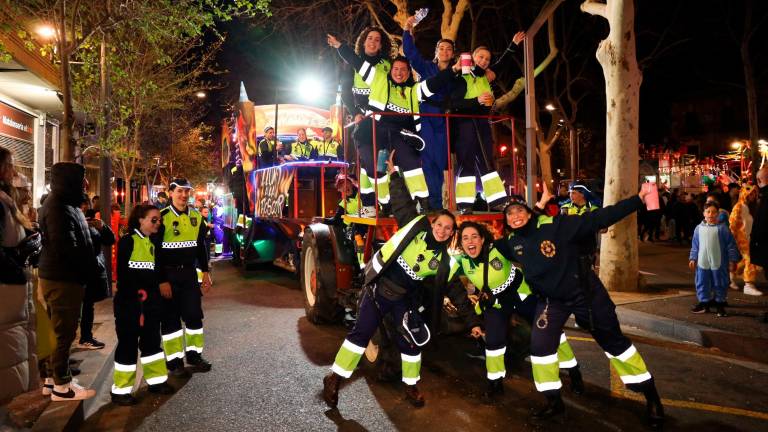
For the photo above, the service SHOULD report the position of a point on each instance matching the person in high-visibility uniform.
(301, 149)
(393, 283)
(181, 253)
(582, 200)
(327, 148)
(137, 305)
(270, 149)
(374, 47)
(397, 93)
(546, 247)
(501, 290)
(472, 94)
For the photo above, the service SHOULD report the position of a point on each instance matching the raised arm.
(424, 67)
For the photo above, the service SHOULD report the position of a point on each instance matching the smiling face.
(444, 52)
(327, 134)
(710, 215)
(400, 71)
(150, 223)
(442, 228)
(517, 216)
(302, 134)
(482, 58)
(180, 197)
(372, 43)
(471, 241)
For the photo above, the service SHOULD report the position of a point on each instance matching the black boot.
(553, 408)
(423, 205)
(162, 388)
(495, 389)
(331, 384)
(653, 408)
(123, 399)
(176, 369)
(577, 384)
(197, 363)
(414, 396)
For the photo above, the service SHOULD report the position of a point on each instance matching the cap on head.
(579, 186)
(180, 183)
(517, 200)
(267, 128)
(327, 129)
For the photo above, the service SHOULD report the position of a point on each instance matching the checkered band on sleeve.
(180, 245)
(361, 91)
(397, 109)
(141, 265)
(506, 283)
(408, 269)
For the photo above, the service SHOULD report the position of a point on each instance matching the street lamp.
(200, 95)
(550, 107)
(46, 31)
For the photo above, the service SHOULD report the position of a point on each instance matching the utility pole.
(105, 163)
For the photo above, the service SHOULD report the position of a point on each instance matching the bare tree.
(616, 54)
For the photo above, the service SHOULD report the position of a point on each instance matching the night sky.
(697, 58)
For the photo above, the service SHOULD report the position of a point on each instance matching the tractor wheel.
(318, 276)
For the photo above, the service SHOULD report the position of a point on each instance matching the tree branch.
(594, 7)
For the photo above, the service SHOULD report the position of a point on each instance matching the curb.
(753, 348)
(96, 366)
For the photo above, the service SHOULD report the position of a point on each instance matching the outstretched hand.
(518, 37)
(545, 196)
(391, 162)
(332, 41)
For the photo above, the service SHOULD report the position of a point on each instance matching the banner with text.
(271, 187)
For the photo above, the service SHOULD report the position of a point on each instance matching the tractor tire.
(318, 276)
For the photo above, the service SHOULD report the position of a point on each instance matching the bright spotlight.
(309, 89)
(549, 107)
(46, 31)
(200, 95)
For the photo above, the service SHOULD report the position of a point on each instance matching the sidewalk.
(24, 412)
(664, 309)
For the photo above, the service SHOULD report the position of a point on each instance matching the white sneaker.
(47, 387)
(71, 391)
(368, 212)
(749, 289)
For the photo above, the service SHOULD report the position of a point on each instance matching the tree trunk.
(751, 90)
(66, 144)
(616, 54)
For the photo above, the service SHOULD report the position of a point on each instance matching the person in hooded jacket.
(393, 284)
(98, 286)
(548, 248)
(66, 262)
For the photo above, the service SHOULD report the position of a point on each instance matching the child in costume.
(713, 254)
(741, 227)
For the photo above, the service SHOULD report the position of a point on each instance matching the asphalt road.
(268, 364)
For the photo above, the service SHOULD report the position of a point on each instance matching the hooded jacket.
(68, 254)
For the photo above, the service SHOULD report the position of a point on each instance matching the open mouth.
(471, 249)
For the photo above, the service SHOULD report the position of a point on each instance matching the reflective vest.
(415, 231)
(476, 86)
(327, 148)
(301, 150)
(181, 230)
(143, 253)
(360, 86)
(502, 275)
(387, 96)
(350, 206)
(572, 209)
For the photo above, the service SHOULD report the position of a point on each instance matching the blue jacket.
(728, 249)
(426, 69)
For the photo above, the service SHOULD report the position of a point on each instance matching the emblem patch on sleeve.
(548, 249)
(496, 264)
